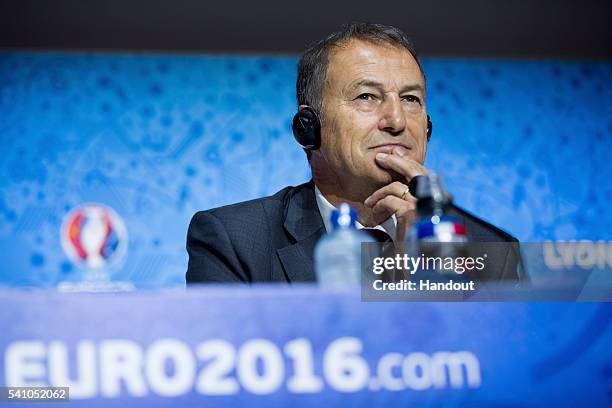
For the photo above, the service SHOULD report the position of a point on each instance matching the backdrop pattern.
(524, 144)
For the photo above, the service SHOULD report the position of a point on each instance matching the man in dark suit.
(363, 123)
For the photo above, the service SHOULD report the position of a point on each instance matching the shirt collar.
(325, 208)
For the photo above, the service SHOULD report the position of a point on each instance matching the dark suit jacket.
(272, 239)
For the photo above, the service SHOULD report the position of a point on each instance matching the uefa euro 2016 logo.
(94, 236)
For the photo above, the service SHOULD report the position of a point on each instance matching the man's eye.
(366, 97)
(412, 99)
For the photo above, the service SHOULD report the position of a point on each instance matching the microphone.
(419, 186)
(432, 198)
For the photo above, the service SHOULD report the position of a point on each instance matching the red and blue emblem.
(440, 229)
(94, 236)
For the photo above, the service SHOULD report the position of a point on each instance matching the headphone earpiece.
(429, 128)
(306, 128)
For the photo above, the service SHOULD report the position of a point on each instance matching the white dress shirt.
(325, 208)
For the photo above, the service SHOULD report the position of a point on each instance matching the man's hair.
(312, 67)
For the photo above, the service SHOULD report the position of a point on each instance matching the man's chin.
(385, 176)
(397, 177)
(375, 181)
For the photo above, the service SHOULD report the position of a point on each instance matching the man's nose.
(392, 118)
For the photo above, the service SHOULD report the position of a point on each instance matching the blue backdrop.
(524, 144)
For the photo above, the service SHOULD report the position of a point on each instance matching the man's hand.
(394, 198)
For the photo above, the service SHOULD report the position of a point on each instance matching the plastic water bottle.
(435, 234)
(338, 253)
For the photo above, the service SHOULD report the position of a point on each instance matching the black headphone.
(306, 128)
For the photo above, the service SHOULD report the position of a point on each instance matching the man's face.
(373, 102)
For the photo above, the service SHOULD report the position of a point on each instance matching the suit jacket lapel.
(303, 222)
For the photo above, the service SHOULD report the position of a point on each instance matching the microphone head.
(420, 187)
(429, 191)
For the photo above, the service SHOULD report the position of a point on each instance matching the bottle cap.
(344, 216)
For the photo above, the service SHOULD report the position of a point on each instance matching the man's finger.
(392, 204)
(407, 167)
(396, 189)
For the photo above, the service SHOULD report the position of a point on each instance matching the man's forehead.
(357, 61)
